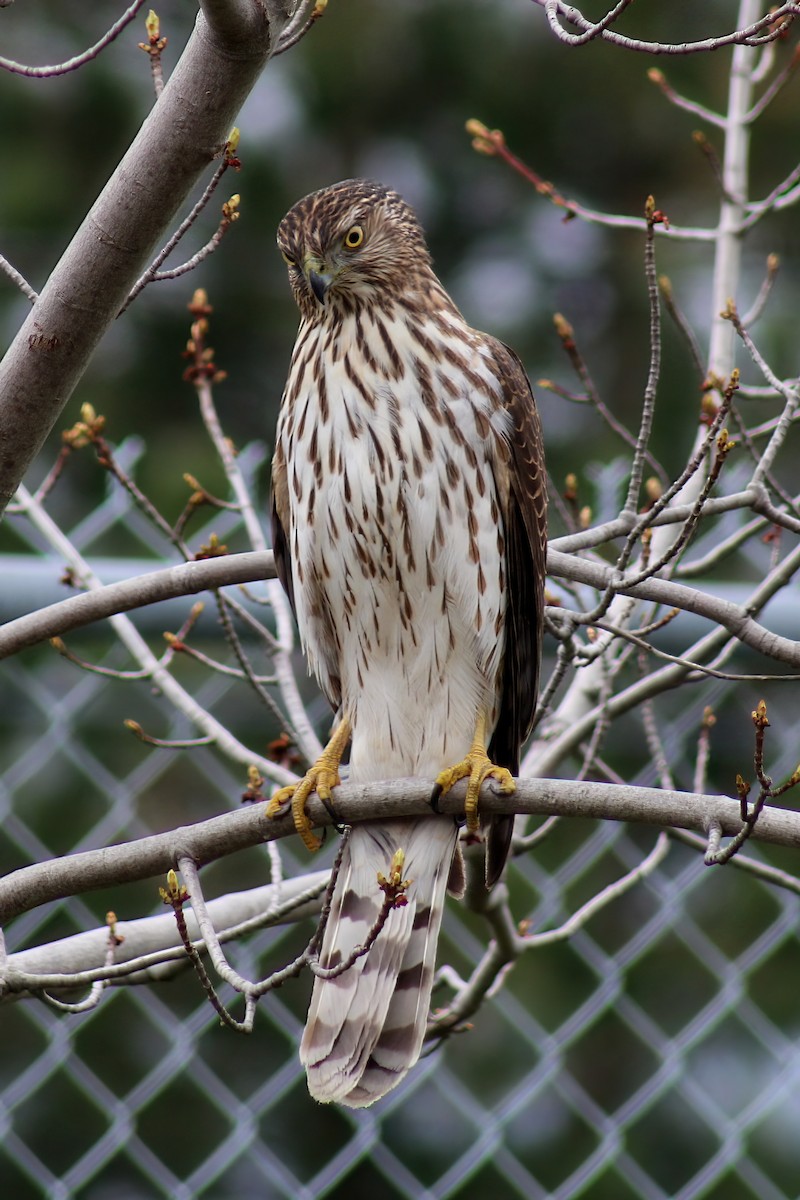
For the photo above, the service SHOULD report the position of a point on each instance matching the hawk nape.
(409, 532)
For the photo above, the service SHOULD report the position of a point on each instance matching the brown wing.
(279, 506)
(279, 509)
(523, 495)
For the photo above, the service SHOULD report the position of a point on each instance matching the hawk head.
(353, 243)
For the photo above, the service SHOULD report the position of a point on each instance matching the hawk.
(408, 510)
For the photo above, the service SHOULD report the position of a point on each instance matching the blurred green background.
(655, 1054)
(383, 89)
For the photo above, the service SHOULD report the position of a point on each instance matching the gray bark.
(186, 129)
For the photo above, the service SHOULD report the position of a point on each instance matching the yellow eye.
(289, 261)
(354, 237)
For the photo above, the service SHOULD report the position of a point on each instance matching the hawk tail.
(366, 1027)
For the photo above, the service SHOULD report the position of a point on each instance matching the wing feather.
(281, 549)
(523, 497)
(279, 508)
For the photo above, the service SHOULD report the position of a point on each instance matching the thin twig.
(72, 64)
(154, 48)
(228, 160)
(682, 325)
(760, 302)
(20, 280)
(302, 730)
(300, 24)
(230, 214)
(567, 336)
(653, 217)
(698, 110)
(776, 23)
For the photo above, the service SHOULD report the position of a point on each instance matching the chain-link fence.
(653, 1055)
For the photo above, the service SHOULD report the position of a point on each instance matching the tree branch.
(182, 135)
(185, 579)
(193, 577)
(207, 841)
(150, 948)
(735, 618)
(72, 64)
(750, 33)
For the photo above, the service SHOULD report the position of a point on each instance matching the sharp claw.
(297, 795)
(320, 778)
(330, 809)
(476, 768)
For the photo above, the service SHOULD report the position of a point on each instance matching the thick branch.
(207, 841)
(185, 130)
(153, 944)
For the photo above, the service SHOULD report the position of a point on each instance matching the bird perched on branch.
(409, 532)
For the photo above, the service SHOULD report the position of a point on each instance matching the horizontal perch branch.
(207, 841)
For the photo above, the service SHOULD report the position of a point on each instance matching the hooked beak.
(319, 279)
(319, 284)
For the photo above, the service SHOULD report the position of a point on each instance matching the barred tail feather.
(365, 1027)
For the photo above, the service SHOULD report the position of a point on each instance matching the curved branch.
(185, 579)
(150, 948)
(79, 60)
(733, 617)
(207, 841)
(252, 566)
(775, 23)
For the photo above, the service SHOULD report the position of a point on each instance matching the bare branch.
(138, 648)
(207, 841)
(300, 24)
(653, 218)
(618, 888)
(736, 619)
(302, 728)
(219, 66)
(791, 395)
(492, 142)
(760, 302)
(151, 948)
(230, 213)
(567, 335)
(72, 64)
(697, 110)
(756, 33)
(778, 83)
(184, 579)
(20, 280)
(152, 271)
(682, 325)
(154, 48)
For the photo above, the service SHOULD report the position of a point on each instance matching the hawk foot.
(476, 767)
(320, 778)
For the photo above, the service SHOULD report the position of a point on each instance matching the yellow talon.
(320, 778)
(476, 767)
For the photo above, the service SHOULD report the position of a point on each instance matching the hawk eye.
(354, 237)
(289, 261)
